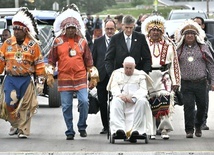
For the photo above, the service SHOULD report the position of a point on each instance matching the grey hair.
(128, 19)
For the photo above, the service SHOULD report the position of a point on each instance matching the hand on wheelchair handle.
(92, 83)
(50, 80)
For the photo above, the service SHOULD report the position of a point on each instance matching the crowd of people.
(132, 60)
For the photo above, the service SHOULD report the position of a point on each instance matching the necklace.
(72, 51)
(190, 53)
(18, 54)
(156, 50)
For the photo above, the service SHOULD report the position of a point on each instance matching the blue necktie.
(128, 43)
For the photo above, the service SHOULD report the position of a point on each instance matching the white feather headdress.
(154, 21)
(189, 25)
(25, 19)
(69, 18)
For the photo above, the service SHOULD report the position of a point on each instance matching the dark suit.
(117, 52)
(211, 39)
(98, 52)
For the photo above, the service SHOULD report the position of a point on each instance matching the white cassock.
(130, 116)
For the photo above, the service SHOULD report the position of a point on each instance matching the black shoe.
(83, 133)
(158, 132)
(120, 134)
(70, 137)
(198, 132)
(132, 138)
(189, 135)
(205, 127)
(104, 131)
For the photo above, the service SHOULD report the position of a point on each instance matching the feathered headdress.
(72, 6)
(23, 19)
(153, 22)
(69, 17)
(189, 25)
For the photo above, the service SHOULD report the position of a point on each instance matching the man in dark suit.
(118, 50)
(118, 20)
(98, 52)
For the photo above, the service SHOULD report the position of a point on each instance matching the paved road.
(47, 137)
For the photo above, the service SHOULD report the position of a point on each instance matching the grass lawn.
(127, 9)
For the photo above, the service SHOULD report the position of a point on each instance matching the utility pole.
(68, 2)
(208, 10)
(16, 3)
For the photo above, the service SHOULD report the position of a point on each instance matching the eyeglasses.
(111, 29)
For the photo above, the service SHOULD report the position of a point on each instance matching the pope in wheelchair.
(130, 112)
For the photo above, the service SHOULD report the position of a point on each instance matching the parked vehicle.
(177, 17)
(186, 14)
(172, 25)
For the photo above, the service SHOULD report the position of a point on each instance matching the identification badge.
(190, 59)
(72, 52)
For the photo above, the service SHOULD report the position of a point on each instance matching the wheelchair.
(113, 136)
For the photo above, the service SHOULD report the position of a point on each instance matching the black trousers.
(102, 94)
(194, 94)
(207, 106)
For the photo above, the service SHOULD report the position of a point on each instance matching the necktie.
(107, 42)
(128, 43)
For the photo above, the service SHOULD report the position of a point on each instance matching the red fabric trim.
(20, 24)
(163, 53)
(161, 113)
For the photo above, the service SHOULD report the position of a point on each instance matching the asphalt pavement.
(48, 138)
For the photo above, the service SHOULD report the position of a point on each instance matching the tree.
(141, 2)
(7, 4)
(89, 6)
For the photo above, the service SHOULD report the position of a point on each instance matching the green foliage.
(89, 6)
(137, 2)
(93, 6)
(7, 4)
(141, 2)
(164, 11)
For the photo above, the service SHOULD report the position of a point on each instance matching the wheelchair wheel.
(112, 140)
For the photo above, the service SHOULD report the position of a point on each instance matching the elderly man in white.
(130, 113)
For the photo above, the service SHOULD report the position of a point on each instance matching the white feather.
(179, 37)
(64, 15)
(149, 20)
